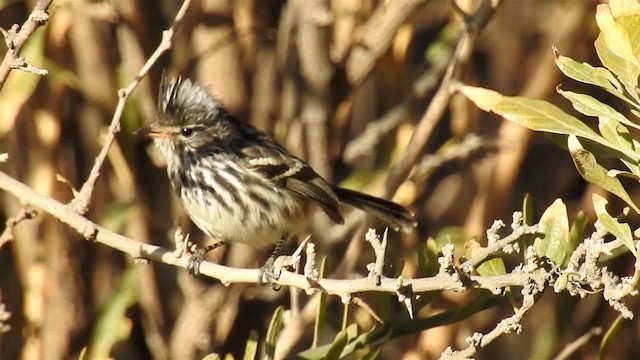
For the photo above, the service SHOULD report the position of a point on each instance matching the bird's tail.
(399, 217)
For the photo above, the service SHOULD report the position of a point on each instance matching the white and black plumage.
(238, 185)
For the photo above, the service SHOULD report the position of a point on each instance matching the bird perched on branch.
(237, 184)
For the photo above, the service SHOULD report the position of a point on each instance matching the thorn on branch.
(405, 295)
(364, 306)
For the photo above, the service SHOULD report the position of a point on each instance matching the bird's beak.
(152, 132)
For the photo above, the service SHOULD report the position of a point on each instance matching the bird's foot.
(270, 271)
(269, 274)
(197, 257)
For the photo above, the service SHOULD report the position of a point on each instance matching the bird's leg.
(267, 274)
(193, 264)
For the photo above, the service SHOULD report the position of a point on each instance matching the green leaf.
(536, 115)
(588, 74)
(113, 323)
(554, 225)
(620, 173)
(609, 335)
(592, 107)
(341, 340)
(591, 171)
(631, 23)
(623, 70)
(275, 326)
(490, 267)
(621, 231)
(577, 229)
(373, 354)
(615, 133)
(401, 326)
(527, 209)
(617, 39)
(251, 348)
(624, 7)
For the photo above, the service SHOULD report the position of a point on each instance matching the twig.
(24, 214)
(473, 25)
(81, 202)
(578, 343)
(15, 40)
(472, 147)
(506, 326)
(379, 248)
(471, 264)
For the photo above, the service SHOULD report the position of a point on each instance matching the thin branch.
(473, 25)
(578, 343)
(15, 40)
(471, 264)
(227, 275)
(478, 341)
(366, 142)
(24, 214)
(471, 148)
(81, 202)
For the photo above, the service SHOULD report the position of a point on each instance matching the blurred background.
(294, 69)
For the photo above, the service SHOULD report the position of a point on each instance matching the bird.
(237, 184)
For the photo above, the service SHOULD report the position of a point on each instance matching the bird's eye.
(186, 132)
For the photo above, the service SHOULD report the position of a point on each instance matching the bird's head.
(188, 118)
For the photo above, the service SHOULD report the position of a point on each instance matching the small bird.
(237, 184)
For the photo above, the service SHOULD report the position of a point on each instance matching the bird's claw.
(194, 262)
(269, 274)
(196, 259)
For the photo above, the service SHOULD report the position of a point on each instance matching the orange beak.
(149, 131)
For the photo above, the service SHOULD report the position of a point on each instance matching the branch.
(570, 349)
(378, 35)
(471, 148)
(364, 144)
(81, 201)
(343, 288)
(511, 324)
(16, 39)
(473, 25)
(24, 214)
